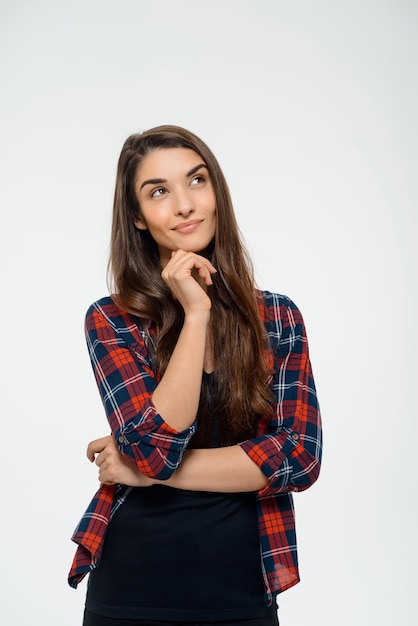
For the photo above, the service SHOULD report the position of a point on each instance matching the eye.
(157, 193)
(199, 178)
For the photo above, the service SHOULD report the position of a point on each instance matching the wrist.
(197, 318)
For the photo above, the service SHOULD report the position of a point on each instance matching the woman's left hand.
(113, 466)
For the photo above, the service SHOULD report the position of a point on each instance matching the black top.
(172, 554)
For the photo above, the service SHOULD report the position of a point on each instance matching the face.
(177, 201)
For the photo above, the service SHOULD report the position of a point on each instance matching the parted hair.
(238, 394)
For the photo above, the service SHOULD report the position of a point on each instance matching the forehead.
(167, 163)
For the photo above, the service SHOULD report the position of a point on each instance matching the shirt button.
(295, 436)
(121, 439)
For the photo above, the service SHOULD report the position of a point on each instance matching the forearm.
(225, 470)
(176, 398)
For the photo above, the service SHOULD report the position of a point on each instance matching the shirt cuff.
(272, 454)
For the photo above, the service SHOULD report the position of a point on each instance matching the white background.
(311, 108)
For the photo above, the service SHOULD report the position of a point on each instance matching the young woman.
(208, 389)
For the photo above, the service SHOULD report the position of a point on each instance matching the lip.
(187, 227)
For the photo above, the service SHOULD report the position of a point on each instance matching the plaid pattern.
(287, 448)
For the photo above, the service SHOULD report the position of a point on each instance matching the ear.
(140, 224)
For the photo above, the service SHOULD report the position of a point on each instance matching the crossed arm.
(217, 469)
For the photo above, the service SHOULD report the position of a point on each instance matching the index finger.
(97, 445)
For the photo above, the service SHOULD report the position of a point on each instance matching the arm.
(126, 382)
(152, 420)
(217, 469)
(224, 470)
(289, 450)
(188, 276)
(286, 454)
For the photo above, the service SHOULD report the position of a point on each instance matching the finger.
(103, 469)
(97, 445)
(105, 477)
(205, 274)
(102, 477)
(101, 458)
(188, 260)
(205, 268)
(178, 253)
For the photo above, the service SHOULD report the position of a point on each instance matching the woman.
(208, 389)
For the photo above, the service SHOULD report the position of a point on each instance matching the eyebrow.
(159, 181)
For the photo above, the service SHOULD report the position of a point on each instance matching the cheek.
(211, 203)
(155, 219)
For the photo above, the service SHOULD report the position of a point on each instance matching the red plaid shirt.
(287, 448)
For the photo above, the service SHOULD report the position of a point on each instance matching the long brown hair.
(240, 394)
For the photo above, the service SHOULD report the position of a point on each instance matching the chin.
(208, 250)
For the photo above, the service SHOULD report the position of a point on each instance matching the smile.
(188, 227)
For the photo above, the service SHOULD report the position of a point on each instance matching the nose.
(184, 204)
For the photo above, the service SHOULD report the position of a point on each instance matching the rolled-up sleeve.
(289, 446)
(126, 383)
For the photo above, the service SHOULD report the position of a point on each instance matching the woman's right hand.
(188, 275)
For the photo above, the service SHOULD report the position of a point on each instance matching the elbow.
(306, 477)
(156, 449)
(157, 462)
(159, 468)
(296, 473)
(306, 466)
